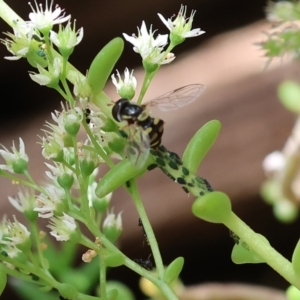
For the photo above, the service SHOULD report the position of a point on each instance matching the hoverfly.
(145, 132)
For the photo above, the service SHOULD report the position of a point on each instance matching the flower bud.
(20, 166)
(65, 181)
(126, 88)
(112, 226)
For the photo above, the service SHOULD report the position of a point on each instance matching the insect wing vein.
(178, 98)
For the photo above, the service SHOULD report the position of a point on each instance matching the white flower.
(24, 201)
(17, 233)
(45, 19)
(66, 38)
(19, 42)
(126, 88)
(47, 203)
(16, 161)
(181, 27)
(112, 220)
(48, 77)
(62, 227)
(147, 46)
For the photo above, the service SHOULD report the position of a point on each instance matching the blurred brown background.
(239, 94)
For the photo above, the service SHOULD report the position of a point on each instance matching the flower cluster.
(152, 49)
(81, 136)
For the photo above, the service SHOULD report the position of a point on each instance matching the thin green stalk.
(147, 226)
(102, 268)
(147, 80)
(100, 151)
(15, 179)
(274, 259)
(68, 93)
(35, 236)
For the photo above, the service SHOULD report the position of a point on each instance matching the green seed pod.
(3, 279)
(199, 145)
(213, 207)
(114, 260)
(173, 270)
(296, 259)
(117, 176)
(103, 64)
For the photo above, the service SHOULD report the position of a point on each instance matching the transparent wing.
(138, 146)
(178, 98)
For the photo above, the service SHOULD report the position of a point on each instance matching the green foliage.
(296, 259)
(173, 270)
(241, 254)
(123, 292)
(103, 64)
(118, 176)
(114, 260)
(213, 207)
(200, 144)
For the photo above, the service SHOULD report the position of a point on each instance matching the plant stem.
(102, 268)
(147, 226)
(8, 15)
(274, 259)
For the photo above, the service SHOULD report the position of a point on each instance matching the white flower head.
(48, 77)
(62, 227)
(126, 88)
(17, 233)
(111, 220)
(24, 202)
(46, 204)
(181, 27)
(16, 161)
(18, 42)
(81, 89)
(150, 48)
(66, 38)
(44, 20)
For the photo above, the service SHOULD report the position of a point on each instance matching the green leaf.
(200, 144)
(124, 293)
(173, 270)
(114, 260)
(103, 64)
(118, 175)
(296, 259)
(213, 207)
(241, 254)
